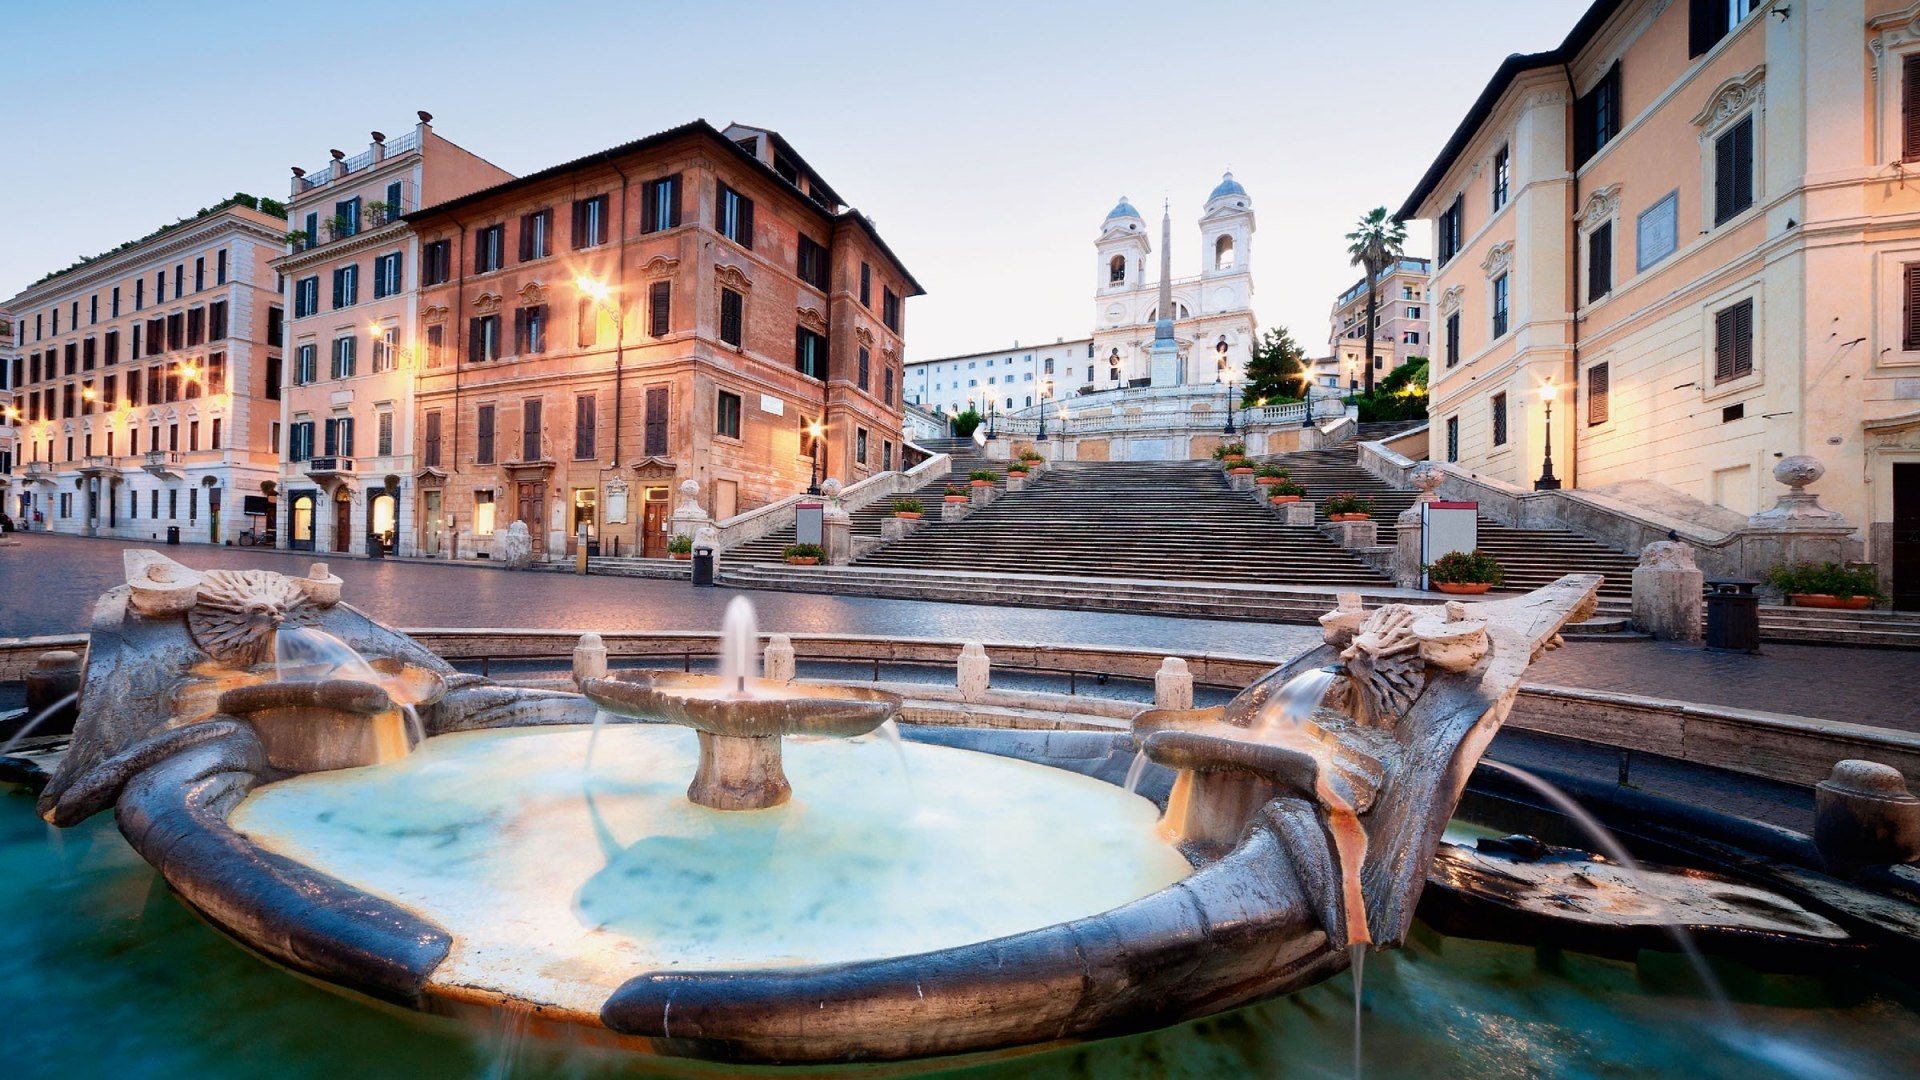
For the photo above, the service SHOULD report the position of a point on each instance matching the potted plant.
(1465, 572)
(297, 239)
(1826, 585)
(1234, 456)
(983, 477)
(1031, 456)
(1270, 475)
(802, 554)
(337, 226)
(1018, 468)
(680, 547)
(1346, 506)
(1286, 491)
(955, 494)
(910, 509)
(377, 214)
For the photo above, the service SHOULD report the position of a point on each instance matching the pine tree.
(1275, 373)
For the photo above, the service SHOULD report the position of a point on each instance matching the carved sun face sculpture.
(238, 612)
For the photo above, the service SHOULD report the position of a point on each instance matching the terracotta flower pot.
(955, 498)
(1233, 462)
(910, 515)
(1824, 600)
(1021, 473)
(803, 560)
(1269, 481)
(1241, 470)
(1281, 500)
(1471, 589)
(680, 554)
(1348, 517)
(982, 483)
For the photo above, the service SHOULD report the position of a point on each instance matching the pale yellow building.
(1699, 224)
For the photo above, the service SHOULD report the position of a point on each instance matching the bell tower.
(1226, 233)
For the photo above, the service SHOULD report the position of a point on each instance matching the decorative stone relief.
(533, 293)
(1450, 300)
(1599, 208)
(1498, 260)
(234, 617)
(1390, 652)
(1729, 100)
(732, 277)
(434, 312)
(487, 303)
(659, 266)
(811, 319)
(1798, 507)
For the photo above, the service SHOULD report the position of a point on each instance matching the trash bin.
(703, 566)
(376, 549)
(173, 535)
(1733, 616)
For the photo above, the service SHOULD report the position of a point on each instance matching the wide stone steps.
(867, 519)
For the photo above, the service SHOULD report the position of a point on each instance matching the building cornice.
(295, 261)
(174, 241)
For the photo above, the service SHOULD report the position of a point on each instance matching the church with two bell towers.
(1176, 331)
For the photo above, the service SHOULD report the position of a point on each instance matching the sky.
(987, 140)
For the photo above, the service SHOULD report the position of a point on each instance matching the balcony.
(94, 465)
(164, 464)
(40, 472)
(323, 469)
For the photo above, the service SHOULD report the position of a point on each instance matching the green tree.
(965, 423)
(1275, 371)
(1401, 395)
(1374, 246)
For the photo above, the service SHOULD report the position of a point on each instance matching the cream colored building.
(352, 283)
(151, 382)
(1699, 224)
(1400, 326)
(12, 370)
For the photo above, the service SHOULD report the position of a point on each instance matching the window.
(1407, 337)
(436, 262)
(886, 384)
(660, 203)
(733, 216)
(586, 323)
(1453, 438)
(890, 310)
(811, 264)
(1450, 230)
(1910, 338)
(483, 512)
(299, 441)
(589, 222)
(489, 249)
(1710, 20)
(396, 204)
(1733, 342)
(483, 339)
(1597, 403)
(809, 353)
(110, 351)
(216, 375)
(1499, 419)
(886, 451)
(343, 357)
(386, 275)
(219, 271)
(1500, 305)
(483, 435)
(436, 344)
(585, 421)
(139, 293)
(865, 363)
(1600, 262)
(196, 326)
(273, 380)
(313, 237)
(384, 348)
(654, 442)
(860, 446)
(432, 452)
(306, 297)
(1502, 176)
(536, 235)
(217, 322)
(1117, 270)
(193, 435)
(93, 309)
(90, 352)
(866, 286)
(659, 307)
(1733, 171)
(346, 218)
(199, 274)
(346, 286)
(731, 321)
(530, 330)
(726, 420)
(1596, 117)
(530, 429)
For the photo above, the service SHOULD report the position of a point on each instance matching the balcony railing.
(163, 457)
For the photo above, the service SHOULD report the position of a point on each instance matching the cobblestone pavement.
(49, 583)
(1860, 686)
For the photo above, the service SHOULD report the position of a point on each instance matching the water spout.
(739, 646)
(39, 718)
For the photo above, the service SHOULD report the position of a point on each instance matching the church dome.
(1228, 186)
(1124, 210)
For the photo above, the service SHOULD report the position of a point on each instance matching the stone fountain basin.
(326, 724)
(710, 704)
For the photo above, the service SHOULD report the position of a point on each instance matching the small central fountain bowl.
(740, 721)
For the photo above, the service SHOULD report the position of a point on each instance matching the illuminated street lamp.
(1547, 481)
(602, 295)
(1046, 391)
(814, 431)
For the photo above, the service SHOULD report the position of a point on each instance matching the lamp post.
(1353, 379)
(992, 412)
(814, 431)
(394, 348)
(1046, 391)
(1547, 481)
(602, 296)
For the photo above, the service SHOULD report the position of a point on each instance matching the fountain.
(470, 868)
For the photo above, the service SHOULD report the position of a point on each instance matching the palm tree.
(1374, 246)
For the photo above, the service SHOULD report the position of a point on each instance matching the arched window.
(1223, 253)
(1117, 270)
(1089, 374)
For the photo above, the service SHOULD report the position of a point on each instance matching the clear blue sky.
(987, 140)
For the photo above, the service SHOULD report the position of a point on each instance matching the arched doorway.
(300, 521)
(342, 519)
(382, 520)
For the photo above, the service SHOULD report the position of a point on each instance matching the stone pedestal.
(973, 672)
(899, 528)
(955, 511)
(983, 494)
(778, 663)
(688, 516)
(1173, 685)
(1797, 529)
(1356, 534)
(514, 546)
(589, 659)
(836, 539)
(1864, 816)
(1016, 481)
(1406, 561)
(1240, 481)
(1667, 587)
(1296, 513)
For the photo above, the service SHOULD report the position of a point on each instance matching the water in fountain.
(39, 718)
(890, 732)
(303, 654)
(1281, 721)
(739, 646)
(1359, 954)
(1135, 771)
(599, 721)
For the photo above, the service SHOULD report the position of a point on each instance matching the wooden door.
(1906, 537)
(532, 510)
(653, 524)
(434, 523)
(342, 521)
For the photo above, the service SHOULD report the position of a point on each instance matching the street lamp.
(602, 295)
(992, 411)
(814, 431)
(1547, 481)
(1046, 391)
(394, 348)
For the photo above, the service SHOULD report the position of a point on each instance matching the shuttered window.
(1910, 340)
(1910, 107)
(1451, 228)
(811, 263)
(660, 201)
(1499, 406)
(587, 323)
(1733, 342)
(655, 444)
(483, 435)
(1499, 305)
(1596, 116)
(530, 330)
(660, 308)
(536, 235)
(1453, 438)
(483, 339)
(1453, 339)
(1600, 262)
(216, 323)
(489, 248)
(865, 364)
(1733, 171)
(1597, 400)
(586, 418)
(383, 434)
(726, 419)
(433, 439)
(589, 222)
(731, 311)
(809, 353)
(530, 430)
(436, 262)
(733, 216)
